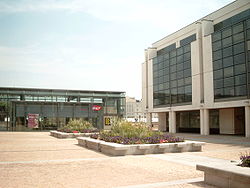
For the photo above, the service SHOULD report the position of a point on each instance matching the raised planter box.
(138, 149)
(58, 134)
(226, 175)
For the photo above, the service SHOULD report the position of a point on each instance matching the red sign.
(33, 120)
(96, 107)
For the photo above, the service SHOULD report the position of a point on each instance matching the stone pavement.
(35, 159)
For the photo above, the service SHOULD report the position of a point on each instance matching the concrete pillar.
(162, 121)
(172, 122)
(206, 122)
(247, 121)
(149, 119)
(202, 121)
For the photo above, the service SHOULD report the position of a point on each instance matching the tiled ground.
(35, 159)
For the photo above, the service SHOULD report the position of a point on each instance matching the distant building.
(53, 108)
(198, 78)
(134, 110)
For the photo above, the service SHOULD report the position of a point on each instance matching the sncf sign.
(96, 107)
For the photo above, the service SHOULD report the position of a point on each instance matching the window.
(170, 81)
(229, 56)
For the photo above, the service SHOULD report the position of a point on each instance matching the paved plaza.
(35, 159)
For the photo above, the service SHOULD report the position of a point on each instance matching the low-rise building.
(198, 78)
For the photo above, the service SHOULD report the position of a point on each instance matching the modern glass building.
(53, 108)
(198, 78)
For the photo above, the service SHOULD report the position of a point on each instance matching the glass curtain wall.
(172, 81)
(231, 57)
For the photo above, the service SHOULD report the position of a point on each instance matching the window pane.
(179, 66)
(228, 62)
(173, 83)
(226, 33)
(187, 73)
(227, 42)
(188, 89)
(239, 48)
(173, 61)
(187, 65)
(180, 82)
(180, 51)
(228, 72)
(187, 56)
(187, 48)
(218, 74)
(180, 59)
(180, 90)
(239, 59)
(238, 37)
(173, 68)
(216, 36)
(238, 28)
(188, 81)
(229, 82)
(239, 69)
(180, 74)
(218, 93)
(216, 45)
(218, 83)
(229, 92)
(241, 91)
(227, 51)
(217, 55)
(173, 76)
(166, 56)
(217, 64)
(166, 85)
(240, 79)
(173, 53)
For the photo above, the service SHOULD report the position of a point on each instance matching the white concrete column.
(172, 122)
(206, 122)
(149, 119)
(201, 121)
(162, 121)
(247, 121)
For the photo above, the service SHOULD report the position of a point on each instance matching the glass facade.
(56, 107)
(172, 80)
(231, 57)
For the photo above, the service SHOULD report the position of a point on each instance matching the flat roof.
(58, 90)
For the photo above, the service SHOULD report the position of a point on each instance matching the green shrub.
(124, 132)
(129, 130)
(78, 125)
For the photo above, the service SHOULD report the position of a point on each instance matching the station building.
(53, 108)
(198, 78)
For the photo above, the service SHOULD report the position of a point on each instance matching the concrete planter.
(226, 175)
(58, 134)
(138, 149)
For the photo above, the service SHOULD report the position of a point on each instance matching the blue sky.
(87, 44)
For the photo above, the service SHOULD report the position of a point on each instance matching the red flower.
(75, 132)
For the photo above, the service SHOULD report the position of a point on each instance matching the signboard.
(107, 121)
(96, 107)
(33, 120)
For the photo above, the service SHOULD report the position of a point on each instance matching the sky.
(87, 44)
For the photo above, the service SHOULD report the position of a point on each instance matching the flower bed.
(59, 134)
(123, 132)
(115, 149)
(156, 138)
(75, 128)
